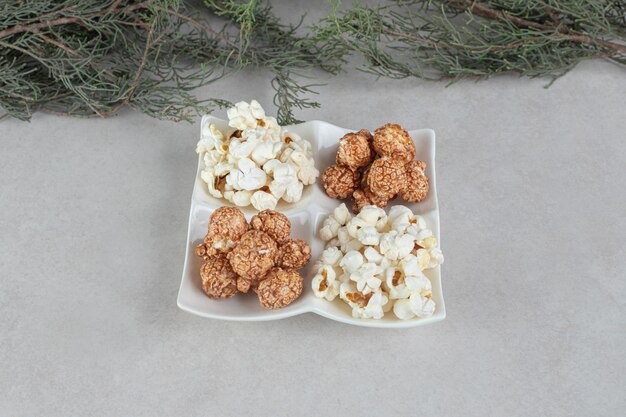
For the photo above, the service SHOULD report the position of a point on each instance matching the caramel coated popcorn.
(293, 254)
(280, 288)
(226, 226)
(354, 150)
(218, 278)
(393, 141)
(365, 197)
(273, 223)
(254, 255)
(240, 257)
(340, 182)
(416, 187)
(386, 177)
(374, 169)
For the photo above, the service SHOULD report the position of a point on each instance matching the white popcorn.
(371, 215)
(293, 192)
(325, 283)
(221, 147)
(368, 235)
(343, 236)
(378, 263)
(402, 309)
(253, 180)
(261, 200)
(410, 265)
(353, 245)
(252, 177)
(351, 261)
(295, 142)
(285, 155)
(245, 116)
(285, 183)
(270, 165)
(331, 256)
(396, 284)
(428, 243)
(264, 152)
(299, 158)
(212, 158)
(342, 214)
(222, 169)
(210, 134)
(372, 255)
(362, 307)
(333, 243)
(354, 225)
(389, 245)
(241, 149)
(421, 235)
(420, 284)
(397, 211)
(262, 156)
(308, 174)
(366, 278)
(423, 258)
(329, 229)
(241, 198)
(233, 178)
(421, 306)
(210, 179)
(435, 258)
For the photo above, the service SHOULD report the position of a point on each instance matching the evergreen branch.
(95, 57)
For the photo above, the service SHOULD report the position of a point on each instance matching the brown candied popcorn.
(253, 256)
(226, 226)
(218, 278)
(416, 185)
(386, 177)
(293, 254)
(202, 251)
(340, 182)
(273, 223)
(279, 288)
(354, 150)
(393, 141)
(365, 197)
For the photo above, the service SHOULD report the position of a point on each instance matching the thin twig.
(67, 20)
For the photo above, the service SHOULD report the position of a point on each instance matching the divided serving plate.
(306, 217)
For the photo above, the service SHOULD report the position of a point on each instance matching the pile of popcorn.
(375, 262)
(260, 256)
(374, 169)
(257, 161)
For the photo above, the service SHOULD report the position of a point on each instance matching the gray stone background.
(93, 217)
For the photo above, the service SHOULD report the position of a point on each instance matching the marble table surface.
(93, 217)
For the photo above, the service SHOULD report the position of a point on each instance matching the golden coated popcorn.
(416, 185)
(226, 226)
(218, 278)
(340, 182)
(202, 251)
(354, 150)
(393, 141)
(293, 254)
(279, 288)
(275, 224)
(386, 177)
(253, 256)
(365, 197)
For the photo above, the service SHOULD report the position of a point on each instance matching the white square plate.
(306, 216)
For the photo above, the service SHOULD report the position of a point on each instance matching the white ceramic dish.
(305, 216)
